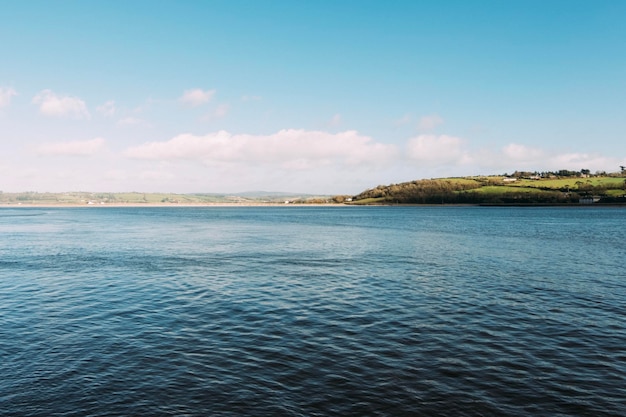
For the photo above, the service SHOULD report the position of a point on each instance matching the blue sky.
(305, 96)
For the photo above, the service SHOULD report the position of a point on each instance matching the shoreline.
(158, 205)
(254, 204)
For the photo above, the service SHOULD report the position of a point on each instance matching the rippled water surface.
(345, 311)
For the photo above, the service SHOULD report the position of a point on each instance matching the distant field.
(502, 189)
(559, 183)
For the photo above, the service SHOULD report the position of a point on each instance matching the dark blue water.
(359, 311)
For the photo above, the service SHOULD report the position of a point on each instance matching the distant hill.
(271, 194)
(519, 188)
(258, 194)
(89, 198)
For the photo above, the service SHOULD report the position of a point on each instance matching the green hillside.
(520, 188)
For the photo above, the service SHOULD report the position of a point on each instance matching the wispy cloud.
(335, 120)
(250, 98)
(132, 121)
(217, 113)
(107, 109)
(5, 96)
(430, 122)
(404, 120)
(72, 148)
(51, 104)
(221, 111)
(196, 97)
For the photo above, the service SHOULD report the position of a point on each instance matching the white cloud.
(196, 97)
(288, 160)
(51, 104)
(515, 156)
(5, 96)
(576, 161)
(72, 148)
(107, 109)
(432, 149)
(291, 149)
(431, 156)
(430, 122)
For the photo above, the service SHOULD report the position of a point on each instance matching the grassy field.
(464, 181)
(502, 189)
(560, 183)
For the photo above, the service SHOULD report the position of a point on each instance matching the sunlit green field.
(559, 183)
(502, 189)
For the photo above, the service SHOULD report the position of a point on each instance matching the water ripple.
(309, 313)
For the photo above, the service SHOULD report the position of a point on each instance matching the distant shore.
(157, 205)
(260, 204)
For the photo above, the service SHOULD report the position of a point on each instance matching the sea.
(313, 311)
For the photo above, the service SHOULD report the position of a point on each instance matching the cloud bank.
(296, 159)
(297, 149)
(293, 160)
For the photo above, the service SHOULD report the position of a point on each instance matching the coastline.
(158, 205)
(260, 204)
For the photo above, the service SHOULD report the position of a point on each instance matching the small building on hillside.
(588, 199)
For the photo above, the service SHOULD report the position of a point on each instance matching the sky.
(319, 97)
